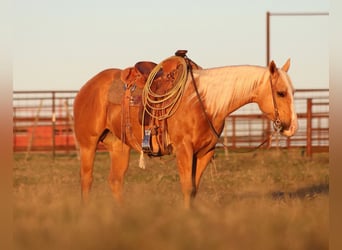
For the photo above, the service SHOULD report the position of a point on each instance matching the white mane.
(224, 86)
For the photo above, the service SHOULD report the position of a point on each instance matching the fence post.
(35, 124)
(71, 126)
(269, 141)
(225, 141)
(309, 127)
(288, 142)
(53, 124)
(233, 133)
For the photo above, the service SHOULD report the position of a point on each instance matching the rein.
(201, 102)
(276, 123)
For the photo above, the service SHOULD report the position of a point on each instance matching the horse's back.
(91, 102)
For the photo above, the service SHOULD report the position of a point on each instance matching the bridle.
(276, 123)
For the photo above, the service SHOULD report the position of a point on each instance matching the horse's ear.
(272, 67)
(286, 66)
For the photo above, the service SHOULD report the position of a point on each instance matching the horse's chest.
(191, 131)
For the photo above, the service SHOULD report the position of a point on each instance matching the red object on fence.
(42, 138)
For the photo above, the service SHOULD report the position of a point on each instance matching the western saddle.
(156, 90)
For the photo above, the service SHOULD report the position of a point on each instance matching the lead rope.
(276, 124)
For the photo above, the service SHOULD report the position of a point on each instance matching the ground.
(267, 199)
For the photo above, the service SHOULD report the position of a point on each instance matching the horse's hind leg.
(119, 153)
(87, 154)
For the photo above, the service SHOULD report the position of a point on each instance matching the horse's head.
(275, 99)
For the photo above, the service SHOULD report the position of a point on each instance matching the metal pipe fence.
(42, 121)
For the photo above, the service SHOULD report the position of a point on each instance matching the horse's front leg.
(119, 153)
(201, 165)
(184, 157)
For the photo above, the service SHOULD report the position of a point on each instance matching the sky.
(59, 45)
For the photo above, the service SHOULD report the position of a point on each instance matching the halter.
(276, 123)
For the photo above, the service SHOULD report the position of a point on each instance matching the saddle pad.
(117, 90)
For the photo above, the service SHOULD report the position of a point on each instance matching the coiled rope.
(167, 102)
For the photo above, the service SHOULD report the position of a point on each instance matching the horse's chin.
(290, 131)
(287, 133)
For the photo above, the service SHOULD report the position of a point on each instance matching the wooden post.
(35, 123)
(268, 128)
(65, 131)
(233, 133)
(288, 142)
(268, 14)
(71, 124)
(53, 124)
(225, 141)
(309, 127)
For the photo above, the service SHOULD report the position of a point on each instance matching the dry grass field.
(272, 199)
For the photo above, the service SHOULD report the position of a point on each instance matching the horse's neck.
(228, 88)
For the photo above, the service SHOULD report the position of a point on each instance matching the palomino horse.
(209, 96)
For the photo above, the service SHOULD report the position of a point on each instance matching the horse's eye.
(281, 93)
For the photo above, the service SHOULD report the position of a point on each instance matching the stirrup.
(146, 142)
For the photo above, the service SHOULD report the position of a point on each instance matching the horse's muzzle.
(289, 130)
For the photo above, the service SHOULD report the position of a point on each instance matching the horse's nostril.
(285, 126)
